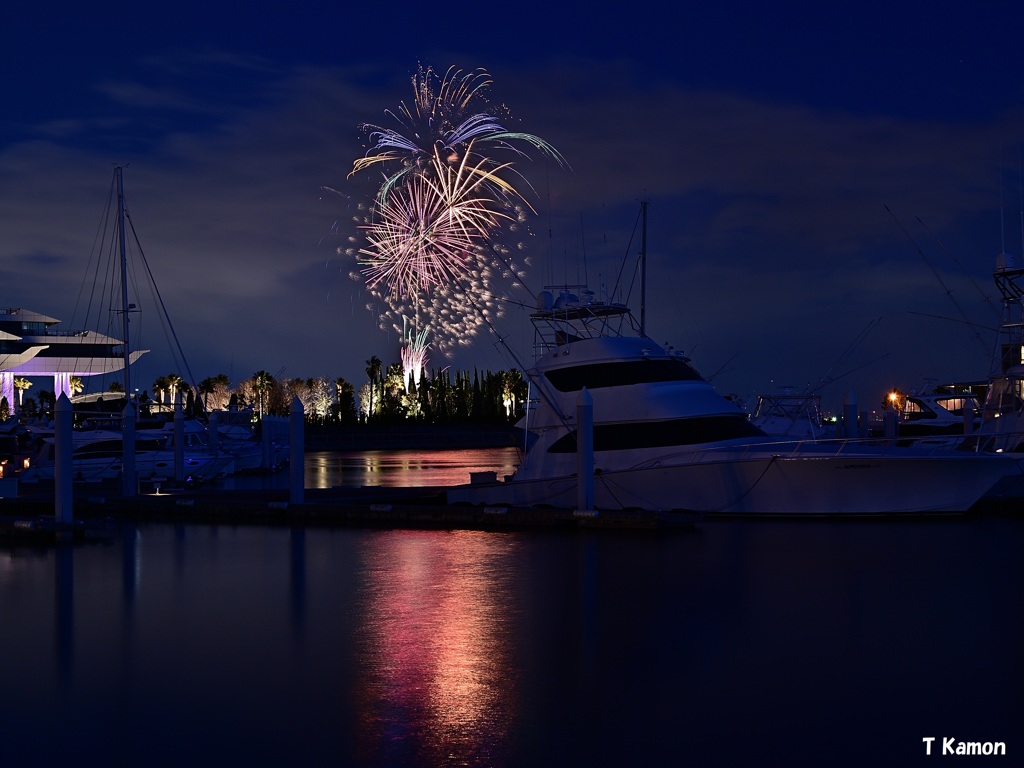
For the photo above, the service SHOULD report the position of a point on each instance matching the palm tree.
(344, 399)
(206, 388)
(161, 386)
(21, 385)
(76, 385)
(374, 366)
(174, 381)
(261, 384)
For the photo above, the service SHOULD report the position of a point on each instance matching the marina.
(713, 644)
(443, 462)
(638, 574)
(406, 489)
(384, 489)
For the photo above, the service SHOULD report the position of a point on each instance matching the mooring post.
(585, 454)
(296, 453)
(63, 471)
(129, 481)
(179, 440)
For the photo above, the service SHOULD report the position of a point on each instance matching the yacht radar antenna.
(124, 284)
(643, 270)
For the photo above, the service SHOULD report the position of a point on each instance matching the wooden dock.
(31, 516)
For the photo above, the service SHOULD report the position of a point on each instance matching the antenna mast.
(643, 270)
(124, 284)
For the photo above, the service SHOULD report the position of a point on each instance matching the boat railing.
(856, 448)
(573, 318)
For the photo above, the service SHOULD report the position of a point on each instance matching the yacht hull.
(769, 485)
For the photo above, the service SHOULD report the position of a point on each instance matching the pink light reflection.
(438, 679)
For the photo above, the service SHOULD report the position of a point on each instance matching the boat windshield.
(620, 374)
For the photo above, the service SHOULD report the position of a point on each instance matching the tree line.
(386, 397)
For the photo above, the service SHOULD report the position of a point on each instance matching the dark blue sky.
(769, 142)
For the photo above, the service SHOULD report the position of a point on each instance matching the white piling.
(63, 471)
(129, 482)
(296, 452)
(179, 440)
(585, 453)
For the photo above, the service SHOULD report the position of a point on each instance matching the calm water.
(326, 469)
(390, 468)
(737, 643)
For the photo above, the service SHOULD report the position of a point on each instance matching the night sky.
(828, 187)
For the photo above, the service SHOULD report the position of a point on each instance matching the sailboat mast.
(643, 270)
(124, 284)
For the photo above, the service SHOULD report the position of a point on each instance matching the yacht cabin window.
(915, 410)
(660, 434)
(619, 374)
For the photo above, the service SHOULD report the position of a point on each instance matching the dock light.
(895, 400)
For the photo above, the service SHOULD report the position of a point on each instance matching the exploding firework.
(433, 245)
(448, 117)
(456, 313)
(414, 357)
(425, 233)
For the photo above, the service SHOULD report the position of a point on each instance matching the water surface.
(826, 643)
(739, 642)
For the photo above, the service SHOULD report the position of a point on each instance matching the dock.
(30, 516)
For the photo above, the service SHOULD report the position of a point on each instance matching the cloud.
(763, 213)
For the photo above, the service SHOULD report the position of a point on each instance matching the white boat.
(933, 416)
(232, 437)
(663, 439)
(97, 455)
(263, 452)
(789, 413)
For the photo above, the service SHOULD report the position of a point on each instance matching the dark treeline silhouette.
(443, 397)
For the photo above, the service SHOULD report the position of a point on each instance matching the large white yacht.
(663, 439)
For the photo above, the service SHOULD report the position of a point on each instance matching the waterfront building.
(31, 346)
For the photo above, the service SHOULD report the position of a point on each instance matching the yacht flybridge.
(661, 438)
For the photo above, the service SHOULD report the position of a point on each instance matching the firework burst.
(414, 357)
(424, 234)
(447, 117)
(456, 313)
(433, 235)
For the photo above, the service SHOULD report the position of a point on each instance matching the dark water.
(326, 469)
(389, 468)
(738, 643)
